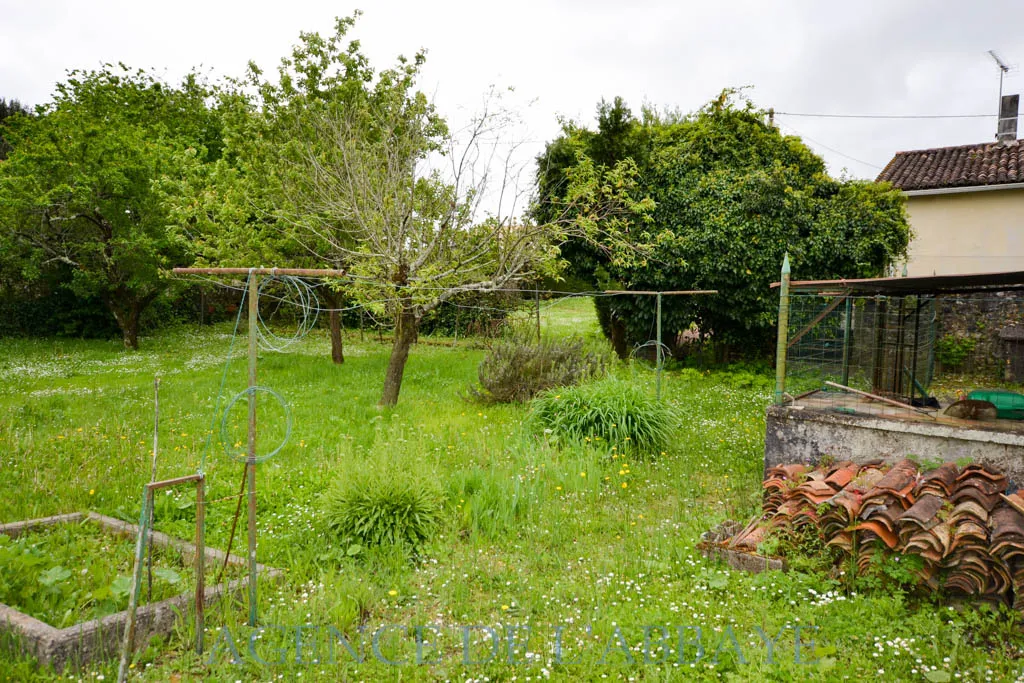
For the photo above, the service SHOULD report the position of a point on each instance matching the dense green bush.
(610, 412)
(515, 370)
(953, 349)
(383, 507)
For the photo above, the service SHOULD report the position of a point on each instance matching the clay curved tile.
(980, 471)
(968, 507)
(880, 530)
(923, 512)
(842, 476)
(987, 486)
(988, 501)
(943, 476)
(866, 480)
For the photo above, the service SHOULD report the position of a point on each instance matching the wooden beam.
(153, 485)
(876, 397)
(298, 272)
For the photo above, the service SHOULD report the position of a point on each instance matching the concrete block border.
(82, 643)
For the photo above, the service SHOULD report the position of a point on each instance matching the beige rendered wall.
(967, 232)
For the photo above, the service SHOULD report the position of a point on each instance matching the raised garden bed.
(98, 633)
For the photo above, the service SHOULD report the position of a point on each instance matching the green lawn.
(576, 543)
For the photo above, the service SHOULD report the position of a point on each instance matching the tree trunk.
(405, 335)
(334, 324)
(619, 338)
(128, 320)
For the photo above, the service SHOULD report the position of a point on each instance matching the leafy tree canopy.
(78, 188)
(732, 195)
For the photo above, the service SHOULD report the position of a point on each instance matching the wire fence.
(901, 356)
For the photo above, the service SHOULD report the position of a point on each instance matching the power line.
(885, 116)
(832, 149)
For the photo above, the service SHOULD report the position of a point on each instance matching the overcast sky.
(864, 57)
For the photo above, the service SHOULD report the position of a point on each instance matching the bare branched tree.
(409, 196)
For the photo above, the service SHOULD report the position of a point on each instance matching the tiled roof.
(989, 163)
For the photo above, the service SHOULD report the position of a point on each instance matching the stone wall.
(993, 324)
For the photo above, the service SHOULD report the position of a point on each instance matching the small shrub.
(383, 507)
(514, 370)
(952, 350)
(610, 412)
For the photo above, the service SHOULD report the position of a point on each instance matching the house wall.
(968, 232)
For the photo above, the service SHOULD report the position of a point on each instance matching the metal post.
(780, 346)
(536, 300)
(152, 478)
(658, 305)
(250, 463)
(847, 332)
(128, 644)
(200, 562)
(913, 362)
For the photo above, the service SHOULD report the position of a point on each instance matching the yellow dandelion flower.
(624, 484)
(79, 429)
(558, 488)
(392, 592)
(504, 607)
(92, 492)
(583, 474)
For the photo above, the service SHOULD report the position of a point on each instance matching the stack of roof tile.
(880, 508)
(973, 570)
(968, 535)
(1007, 535)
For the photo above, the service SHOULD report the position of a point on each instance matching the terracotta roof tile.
(988, 163)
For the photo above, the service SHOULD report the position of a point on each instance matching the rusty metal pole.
(200, 561)
(781, 343)
(250, 463)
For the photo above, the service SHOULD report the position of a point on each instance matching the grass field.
(594, 553)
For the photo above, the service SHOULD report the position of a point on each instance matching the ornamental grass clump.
(609, 413)
(383, 507)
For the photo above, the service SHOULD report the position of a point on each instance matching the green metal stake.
(250, 463)
(780, 347)
(658, 394)
(128, 644)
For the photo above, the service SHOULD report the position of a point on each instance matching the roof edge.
(962, 189)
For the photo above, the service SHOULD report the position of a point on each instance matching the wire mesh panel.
(905, 356)
(879, 345)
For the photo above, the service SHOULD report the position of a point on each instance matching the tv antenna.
(1004, 69)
